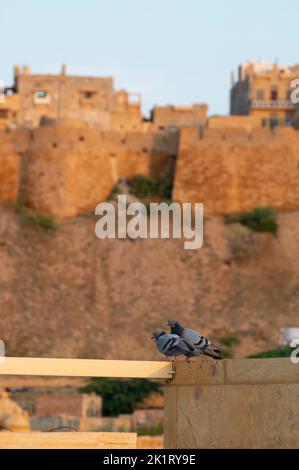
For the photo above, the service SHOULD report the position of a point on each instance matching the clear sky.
(172, 51)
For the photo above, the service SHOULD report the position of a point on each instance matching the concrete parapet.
(246, 403)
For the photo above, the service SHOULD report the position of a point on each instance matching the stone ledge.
(204, 371)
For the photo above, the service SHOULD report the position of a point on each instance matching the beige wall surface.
(248, 403)
(230, 170)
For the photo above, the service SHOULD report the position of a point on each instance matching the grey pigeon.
(171, 344)
(199, 343)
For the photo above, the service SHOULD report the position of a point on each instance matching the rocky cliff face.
(65, 293)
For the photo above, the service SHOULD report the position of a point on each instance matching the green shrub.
(226, 353)
(121, 396)
(157, 430)
(115, 191)
(36, 220)
(230, 340)
(281, 351)
(165, 185)
(142, 186)
(261, 219)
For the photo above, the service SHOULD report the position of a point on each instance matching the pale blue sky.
(173, 52)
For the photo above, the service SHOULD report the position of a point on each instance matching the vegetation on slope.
(280, 351)
(34, 219)
(261, 219)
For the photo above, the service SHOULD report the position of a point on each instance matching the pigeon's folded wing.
(195, 339)
(171, 343)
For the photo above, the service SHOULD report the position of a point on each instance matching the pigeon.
(199, 343)
(172, 345)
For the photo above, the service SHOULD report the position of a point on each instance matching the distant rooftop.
(262, 66)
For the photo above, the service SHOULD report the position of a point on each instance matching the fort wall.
(178, 116)
(231, 170)
(69, 168)
(227, 122)
(66, 167)
(11, 147)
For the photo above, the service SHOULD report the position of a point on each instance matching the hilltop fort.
(66, 141)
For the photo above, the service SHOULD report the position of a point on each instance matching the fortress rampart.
(232, 170)
(12, 146)
(65, 167)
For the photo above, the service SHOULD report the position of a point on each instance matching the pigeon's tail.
(212, 351)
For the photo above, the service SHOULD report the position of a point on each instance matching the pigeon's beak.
(167, 323)
(152, 337)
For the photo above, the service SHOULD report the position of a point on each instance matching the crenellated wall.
(69, 168)
(65, 167)
(232, 170)
(64, 171)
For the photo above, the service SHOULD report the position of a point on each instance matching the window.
(41, 94)
(3, 113)
(274, 93)
(260, 95)
(41, 97)
(89, 94)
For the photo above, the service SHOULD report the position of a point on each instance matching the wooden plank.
(85, 368)
(170, 417)
(68, 440)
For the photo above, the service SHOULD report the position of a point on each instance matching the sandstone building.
(263, 90)
(89, 99)
(66, 142)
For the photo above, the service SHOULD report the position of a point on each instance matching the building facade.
(263, 90)
(88, 99)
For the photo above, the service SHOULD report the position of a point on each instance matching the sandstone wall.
(240, 404)
(226, 122)
(12, 144)
(180, 116)
(69, 168)
(64, 171)
(231, 170)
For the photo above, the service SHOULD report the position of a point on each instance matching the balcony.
(272, 104)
